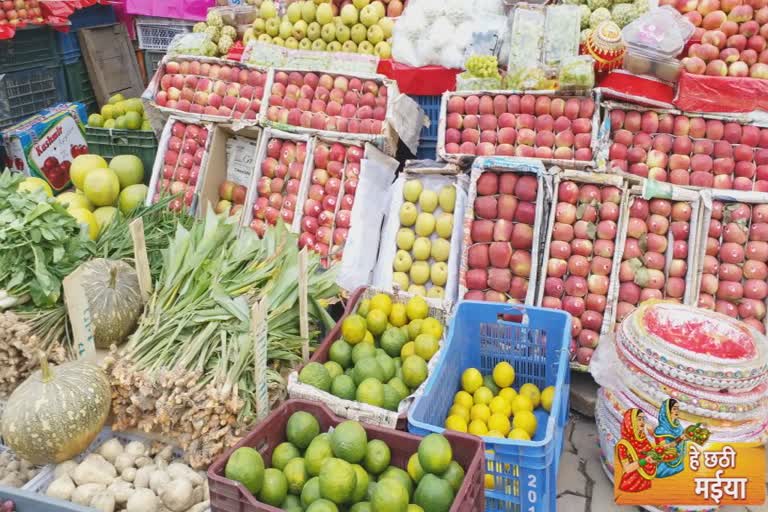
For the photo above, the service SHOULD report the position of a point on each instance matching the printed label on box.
(241, 157)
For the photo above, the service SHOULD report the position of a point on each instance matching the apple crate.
(559, 282)
(509, 244)
(701, 151)
(535, 342)
(229, 496)
(187, 167)
(434, 181)
(269, 166)
(357, 410)
(566, 138)
(358, 174)
(325, 112)
(732, 257)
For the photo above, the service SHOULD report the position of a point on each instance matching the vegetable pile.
(15, 472)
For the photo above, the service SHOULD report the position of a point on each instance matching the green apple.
(416, 289)
(286, 27)
(292, 43)
(438, 274)
(447, 198)
(333, 46)
(299, 29)
(313, 31)
(369, 15)
(305, 44)
(375, 34)
(444, 225)
(441, 249)
(365, 47)
(405, 238)
(383, 50)
(436, 292)
(265, 38)
(425, 224)
(308, 11)
(349, 15)
(421, 248)
(259, 26)
(349, 47)
(318, 45)
(358, 33)
(324, 14)
(402, 261)
(328, 32)
(428, 201)
(419, 272)
(272, 26)
(386, 24)
(342, 33)
(408, 214)
(400, 279)
(412, 190)
(294, 12)
(379, 7)
(268, 10)
(360, 3)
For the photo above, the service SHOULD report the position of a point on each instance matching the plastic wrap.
(561, 33)
(700, 93)
(526, 37)
(191, 43)
(577, 73)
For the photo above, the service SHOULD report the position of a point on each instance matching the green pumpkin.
(114, 300)
(55, 414)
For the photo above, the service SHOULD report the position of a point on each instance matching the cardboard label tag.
(79, 315)
(241, 157)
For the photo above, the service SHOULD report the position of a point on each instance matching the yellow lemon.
(376, 321)
(417, 308)
(547, 397)
(478, 428)
(483, 395)
(480, 412)
(353, 329)
(499, 405)
(521, 403)
(519, 434)
(508, 394)
(459, 410)
(456, 423)
(525, 420)
(503, 374)
(398, 316)
(383, 302)
(499, 423)
(432, 326)
(494, 433)
(532, 392)
(463, 398)
(471, 380)
(408, 349)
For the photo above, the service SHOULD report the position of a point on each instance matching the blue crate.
(428, 138)
(92, 16)
(427, 150)
(536, 345)
(68, 47)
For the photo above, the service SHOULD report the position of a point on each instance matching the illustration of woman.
(668, 432)
(638, 467)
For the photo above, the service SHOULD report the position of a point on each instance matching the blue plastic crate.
(92, 16)
(68, 47)
(535, 343)
(428, 138)
(427, 150)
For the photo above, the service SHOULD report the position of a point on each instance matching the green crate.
(29, 48)
(109, 143)
(79, 85)
(151, 62)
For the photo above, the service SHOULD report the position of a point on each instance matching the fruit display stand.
(166, 167)
(359, 411)
(536, 345)
(720, 151)
(265, 170)
(485, 225)
(733, 252)
(434, 181)
(553, 127)
(586, 287)
(110, 142)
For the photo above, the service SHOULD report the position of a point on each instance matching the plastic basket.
(535, 341)
(428, 137)
(79, 85)
(109, 143)
(68, 47)
(25, 93)
(152, 62)
(157, 33)
(427, 150)
(30, 48)
(229, 496)
(97, 14)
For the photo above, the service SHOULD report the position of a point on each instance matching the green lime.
(414, 468)
(377, 321)
(296, 474)
(398, 385)
(387, 365)
(435, 454)
(377, 456)
(390, 495)
(341, 352)
(291, 503)
(391, 398)
(414, 508)
(364, 307)
(392, 341)
(338, 481)
(368, 367)
(344, 387)
(393, 472)
(311, 492)
(454, 475)
(414, 329)
(275, 487)
(318, 451)
(414, 371)
(361, 351)
(302, 428)
(434, 494)
(363, 506)
(246, 466)
(315, 374)
(282, 454)
(371, 392)
(491, 384)
(334, 369)
(362, 483)
(322, 505)
(349, 441)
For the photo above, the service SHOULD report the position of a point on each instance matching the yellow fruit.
(368, 338)
(494, 433)
(532, 392)
(521, 403)
(432, 326)
(376, 321)
(364, 308)
(504, 374)
(456, 423)
(479, 412)
(408, 349)
(488, 481)
(463, 398)
(417, 308)
(86, 217)
(499, 405)
(102, 187)
(477, 428)
(72, 200)
(398, 316)
(459, 410)
(426, 346)
(32, 184)
(508, 394)
(353, 329)
(519, 434)
(499, 423)
(525, 420)
(471, 380)
(547, 397)
(383, 302)
(483, 395)
(104, 216)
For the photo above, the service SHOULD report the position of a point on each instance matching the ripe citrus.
(471, 380)
(503, 374)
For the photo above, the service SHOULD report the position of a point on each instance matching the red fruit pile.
(733, 36)
(231, 198)
(278, 186)
(499, 257)
(580, 259)
(328, 102)
(515, 125)
(211, 89)
(56, 172)
(181, 163)
(644, 273)
(735, 271)
(328, 208)
(20, 12)
(689, 150)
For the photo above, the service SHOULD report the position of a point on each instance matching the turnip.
(65, 468)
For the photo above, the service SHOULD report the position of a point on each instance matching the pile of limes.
(382, 355)
(344, 470)
(489, 405)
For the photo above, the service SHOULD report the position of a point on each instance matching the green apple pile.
(424, 239)
(121, 114)
(358, 27)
